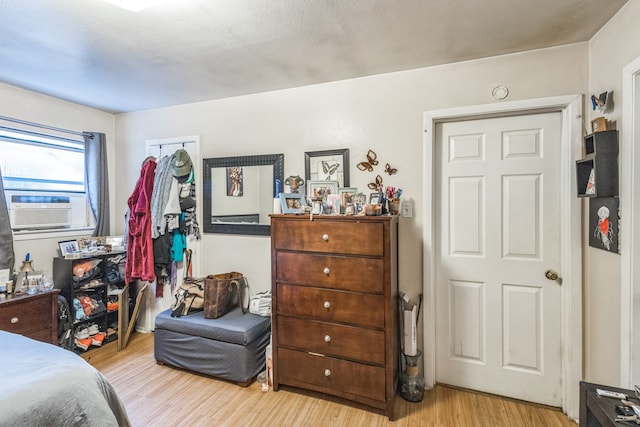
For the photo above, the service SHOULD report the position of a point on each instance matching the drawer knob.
(327, 338)
(14, 320)
(327, 304)
(325, 237)
(327, 372)
(326, 271)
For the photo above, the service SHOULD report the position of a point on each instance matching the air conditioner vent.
(33, 212)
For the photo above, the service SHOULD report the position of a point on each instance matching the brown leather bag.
(222, 292)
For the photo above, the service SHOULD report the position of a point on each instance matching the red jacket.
(140, 244)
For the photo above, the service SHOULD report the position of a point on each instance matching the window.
(36, 167)
(41, 163)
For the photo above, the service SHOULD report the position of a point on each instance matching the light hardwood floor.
(157, 395)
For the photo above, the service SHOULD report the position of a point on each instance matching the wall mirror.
(238, 193)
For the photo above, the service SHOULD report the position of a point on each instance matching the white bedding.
(45, 385)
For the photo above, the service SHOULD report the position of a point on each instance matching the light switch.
(407, 209)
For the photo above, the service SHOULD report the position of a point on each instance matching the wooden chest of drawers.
(335, 317)
(34, 316)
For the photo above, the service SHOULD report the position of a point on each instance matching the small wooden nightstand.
(598, 411)
(34, 316)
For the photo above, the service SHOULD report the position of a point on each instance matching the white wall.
(615, 46)
(382, 112)
(34, 107)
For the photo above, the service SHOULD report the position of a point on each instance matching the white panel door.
(497, 232)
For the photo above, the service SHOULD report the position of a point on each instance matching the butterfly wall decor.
(372, 160)
(376, 185)
(391, 171)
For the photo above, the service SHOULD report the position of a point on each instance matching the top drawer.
(358, 238)
(26, 316)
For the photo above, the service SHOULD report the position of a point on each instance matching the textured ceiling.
(181, 51)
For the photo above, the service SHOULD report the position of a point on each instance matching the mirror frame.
(275, 160)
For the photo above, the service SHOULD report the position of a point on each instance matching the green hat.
(181, 163)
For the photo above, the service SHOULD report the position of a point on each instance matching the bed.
(41, 384)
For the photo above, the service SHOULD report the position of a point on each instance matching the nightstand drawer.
(331, 305)
(363, 238)
(327, 271)
(298, 368)
(349, 342)
(26, 316)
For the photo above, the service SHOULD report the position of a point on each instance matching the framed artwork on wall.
(604, 226)
(328, 165)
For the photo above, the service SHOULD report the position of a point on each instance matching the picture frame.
(604, 223)
(375, 198)
(333, 204)
(359, 200)
(318, 188)
(292, 203)
(90, 244)
(68, 247)
(347, 195)
(327, 165)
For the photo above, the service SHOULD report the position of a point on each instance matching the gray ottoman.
(231, 347)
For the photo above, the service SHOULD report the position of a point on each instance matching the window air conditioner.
(33, 212)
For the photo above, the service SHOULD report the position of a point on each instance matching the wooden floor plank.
(159, 395)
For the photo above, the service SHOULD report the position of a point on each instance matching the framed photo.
(68, 247)
(292, 203)
(321, 188)
(375, 198)
(347, 195)
(333, 204)
(330, 165)
(88, 244)
(235, 187)
(359, 200)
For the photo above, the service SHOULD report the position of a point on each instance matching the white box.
(409, 333)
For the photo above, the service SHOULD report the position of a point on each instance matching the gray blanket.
(45, 385)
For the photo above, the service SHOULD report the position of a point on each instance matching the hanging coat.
(140, 244)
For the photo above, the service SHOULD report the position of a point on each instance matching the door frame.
(570, 106)
(629, 203)
(147, 323)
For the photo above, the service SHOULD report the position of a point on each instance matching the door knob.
(552, 275)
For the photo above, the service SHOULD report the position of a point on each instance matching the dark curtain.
(7, 256)
(97, 180)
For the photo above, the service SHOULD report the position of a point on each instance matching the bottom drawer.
(330, 374)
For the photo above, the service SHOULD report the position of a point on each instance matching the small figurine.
(293, 183)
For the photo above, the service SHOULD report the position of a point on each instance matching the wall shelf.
(597, 172)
